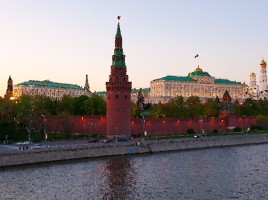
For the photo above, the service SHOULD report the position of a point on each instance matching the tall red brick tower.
(118, 93)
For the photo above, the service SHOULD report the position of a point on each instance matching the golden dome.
(263, 63)
(198, 68)
(252, 74)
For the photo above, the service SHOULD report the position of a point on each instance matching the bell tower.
(118, 92)
(263, 76)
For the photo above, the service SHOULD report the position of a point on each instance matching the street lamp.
(45, 126)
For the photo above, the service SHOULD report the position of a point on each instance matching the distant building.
(50, 89)
(260, 91)
(197, 83)
(9, 91)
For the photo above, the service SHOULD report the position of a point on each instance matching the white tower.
(253, 88)
(263, 77)
(252, 81)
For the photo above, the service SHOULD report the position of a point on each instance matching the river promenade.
(57, 151)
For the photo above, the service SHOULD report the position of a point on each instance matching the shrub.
(256, 127)
(215, 131)
(190, 131)
(237, 129)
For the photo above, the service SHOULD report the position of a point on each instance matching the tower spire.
(86, 84)
(118, 57)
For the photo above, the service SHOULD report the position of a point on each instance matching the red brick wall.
(97, 124)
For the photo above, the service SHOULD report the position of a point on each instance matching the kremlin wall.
(89, 125)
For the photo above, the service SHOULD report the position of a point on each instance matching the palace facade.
(50, 89)
(197, 83)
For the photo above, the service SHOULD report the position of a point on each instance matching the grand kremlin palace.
(197, 83)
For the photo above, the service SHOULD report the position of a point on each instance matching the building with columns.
(197, 83)
(118, 93)
(50, 89)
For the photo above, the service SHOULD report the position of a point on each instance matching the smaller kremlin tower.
(118, 93)
(263, 76)
(9, 91)
(87, 87)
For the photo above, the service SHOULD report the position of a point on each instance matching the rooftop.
(47, 83)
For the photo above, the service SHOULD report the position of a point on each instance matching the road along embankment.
(78, 151)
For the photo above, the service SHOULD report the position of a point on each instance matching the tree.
(79, 105)
(65, 105)
(211, 108)
(194, 107)
(95, 105)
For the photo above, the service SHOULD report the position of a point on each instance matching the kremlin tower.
(118, 93)
(9, 91)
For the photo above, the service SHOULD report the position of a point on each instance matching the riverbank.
(92, 150)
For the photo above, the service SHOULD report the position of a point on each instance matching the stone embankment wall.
(15, 157)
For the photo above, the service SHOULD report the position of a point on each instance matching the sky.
(63, 40)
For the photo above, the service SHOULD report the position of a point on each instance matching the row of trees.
(96, 105)
(193, 107)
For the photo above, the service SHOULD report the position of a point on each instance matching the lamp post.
(45, 126)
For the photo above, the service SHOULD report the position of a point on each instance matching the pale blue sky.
(63, 40)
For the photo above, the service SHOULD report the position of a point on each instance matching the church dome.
(252, 74)
(263, 63)
(198, 72)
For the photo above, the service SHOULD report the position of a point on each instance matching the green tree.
(211, 108)
(65, 105)
(95, 105)
(194, 106)
(79, 105)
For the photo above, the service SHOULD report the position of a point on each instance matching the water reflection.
(119, 176)
(218, 173)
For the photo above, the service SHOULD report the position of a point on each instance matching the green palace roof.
(226, 81)
(47, 83)
(192, 77)
(175, 78)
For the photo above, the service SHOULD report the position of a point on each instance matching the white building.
(50, 89)
(197, 83)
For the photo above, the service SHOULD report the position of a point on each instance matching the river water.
(239, 172)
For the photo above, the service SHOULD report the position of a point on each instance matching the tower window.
(125, 96)
(116, 96)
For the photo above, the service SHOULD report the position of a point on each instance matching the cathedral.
(260, 91)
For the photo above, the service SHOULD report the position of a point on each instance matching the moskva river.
(218, 173)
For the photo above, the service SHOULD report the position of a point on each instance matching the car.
(38, 146)
(107, 140)
(93, 140)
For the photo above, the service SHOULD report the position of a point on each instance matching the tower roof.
(263, 63)
(198, 72)
(118, 31)
(118, 57)
(252, 74)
